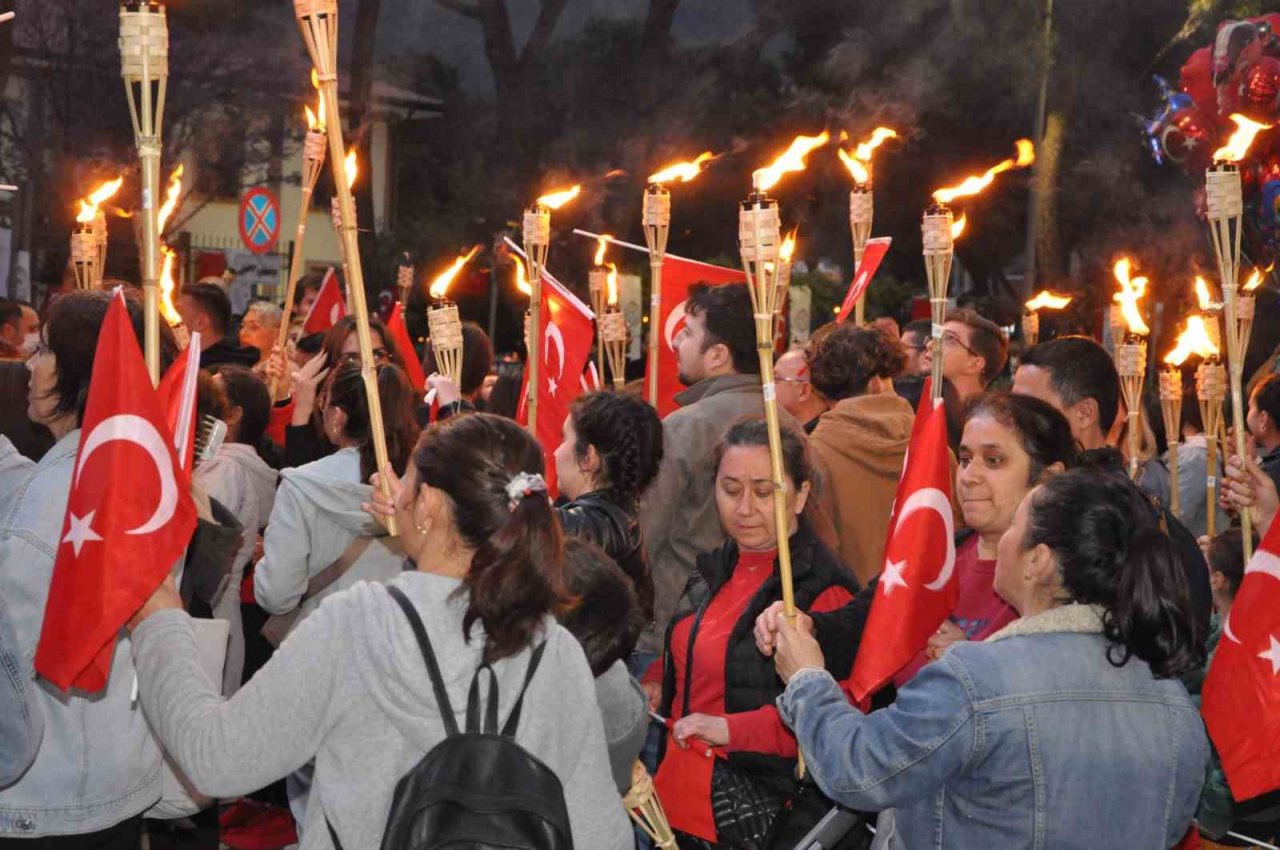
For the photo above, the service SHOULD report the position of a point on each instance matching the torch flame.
(958, 226)
(602, 245)
(1202, 294)
(1194, 340)
(612, 284)
(99, 196)
(352, 168)
(555, 200)
(315, 123)
(1131, 290)
(167, 285)
(1255, 280)
(171, 196)
(1026, 155)
(861, 175)
(793, 159)
(682, 171)
(522, 282)
(1046, 300)
(864, 152)
(440, 285)
(788, 247)
(1237, 147)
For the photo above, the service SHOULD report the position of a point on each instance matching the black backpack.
(478, 789)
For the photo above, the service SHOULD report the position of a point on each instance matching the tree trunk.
(1051, 263)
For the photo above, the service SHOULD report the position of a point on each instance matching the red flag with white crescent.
(129, 515)
(1241, 697)
(678, 274)
(917, 586)
(177, 391)
(872, 257)
(328, 308)
(400, 333)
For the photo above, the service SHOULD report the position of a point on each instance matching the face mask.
(30, 343)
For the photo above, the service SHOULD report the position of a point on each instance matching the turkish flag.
(400, 333)
(678, 274)
(1241, 698)
(872, 257)
(328, 308)
(127, 499)
(177, 393)
(918, 586)
(567, 332)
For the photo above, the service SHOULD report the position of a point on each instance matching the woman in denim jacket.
(1068, 728)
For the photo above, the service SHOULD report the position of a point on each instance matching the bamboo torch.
(940, 229)
(862, 202)
(613, 330)
(144, 65)
(314, 145)
(88, 247)
(1211, 392)
(537, 242)
(1224, 201)
(597, 286)
(656, 218)
(1044, 300)
(350, 171)
(1131, 355)
(1194, 340)
(443, 322)
(318, 22)
(642, 803)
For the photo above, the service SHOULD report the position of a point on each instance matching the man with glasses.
(795, 393)
(974, 352)
(915, 339)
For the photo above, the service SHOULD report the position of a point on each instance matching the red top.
(281, 414)
(759, 730)
(979, 612)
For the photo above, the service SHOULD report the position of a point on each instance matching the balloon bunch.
(1239, 74)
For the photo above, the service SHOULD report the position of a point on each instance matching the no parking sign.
(259, 220)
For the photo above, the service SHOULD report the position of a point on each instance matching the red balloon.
(1187, 139)
(1196, 80)
(1259, 89)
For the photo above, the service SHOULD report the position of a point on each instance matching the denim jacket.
(98, 763)
(1030, 739)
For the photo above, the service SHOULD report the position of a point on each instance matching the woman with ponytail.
(1067, 728)
(350, 689)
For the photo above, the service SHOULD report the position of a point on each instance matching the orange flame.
(440, 285)
(682, 171)
(99, 196)
(522, 281)
(958, 226)
(352, 168)
(602, 245)
(1255, 280)
(788, 247)
(1237, 147)
(171, 196)
(1046, 300)
(315, 120)
(612, 283)
(1026, 155)
(167, 286)
(1202, 294)
(863, 153)
(792, 159)
(1194, 340)
(555, 200)
(1131, 290)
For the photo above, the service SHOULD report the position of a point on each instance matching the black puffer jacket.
(601, 518)
(750, 678)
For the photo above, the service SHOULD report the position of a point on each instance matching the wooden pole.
(656, 215)
(1131, 363)
(318, 21)
(313, 151)
(939, 250)
(537, 242)
(1171, 408)
(1211, 390)
(861, 212)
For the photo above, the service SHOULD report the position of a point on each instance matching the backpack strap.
(509, 729)
(491, 708)
(433, 668)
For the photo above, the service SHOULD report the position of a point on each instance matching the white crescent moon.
(1226, 630)
(135, 429)
(1262, 562)
(673, 323)
(554, 336)
(334, 315)
(933, 499)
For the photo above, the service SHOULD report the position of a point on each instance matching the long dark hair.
(347, 392)
(627, 435)
(754, 431)
(1112, 552)
(517, 573)
(1045, 434)
(336, 337)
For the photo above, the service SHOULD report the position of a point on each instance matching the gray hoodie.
(349, 688)
(316, 517)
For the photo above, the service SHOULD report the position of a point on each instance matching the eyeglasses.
(778, 380)
(951, 340)
(380, 356)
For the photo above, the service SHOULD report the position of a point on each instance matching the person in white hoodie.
(349, 687)
(317, 527)
(243, 483)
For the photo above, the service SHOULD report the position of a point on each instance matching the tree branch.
(543, 28)
(462, 7)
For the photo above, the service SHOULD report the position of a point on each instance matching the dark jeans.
(123, 836)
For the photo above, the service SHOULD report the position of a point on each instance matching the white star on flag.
(1273, 655)
(81, 531)
(552, 386)
(892, 576)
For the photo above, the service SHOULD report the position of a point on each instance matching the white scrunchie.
(524, 484)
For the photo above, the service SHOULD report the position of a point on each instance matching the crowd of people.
(638, 614)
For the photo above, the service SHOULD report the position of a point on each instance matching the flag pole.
(318, 21)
